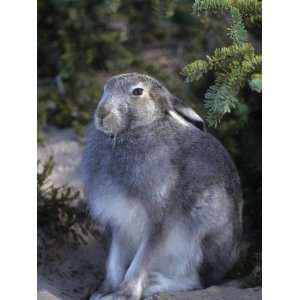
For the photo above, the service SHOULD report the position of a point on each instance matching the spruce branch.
(225, 55)
(218, 61)
(240, 71)
(221, 97)
(232, 65)
(200, 6)
(250, 9)
(195, 70)
(219, 100)
(237, 31)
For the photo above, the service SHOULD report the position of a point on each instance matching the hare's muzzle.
(103, 111)
(107, 119)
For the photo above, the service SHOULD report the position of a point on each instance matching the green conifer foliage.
(248, 8)
(237, 31)
(235, 65)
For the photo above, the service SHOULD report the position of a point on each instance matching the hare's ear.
(185, 113)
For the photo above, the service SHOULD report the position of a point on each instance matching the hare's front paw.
(96, 296)
(105, 289)
(127, 292)
(119, 296)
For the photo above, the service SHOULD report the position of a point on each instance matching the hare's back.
(202, 155)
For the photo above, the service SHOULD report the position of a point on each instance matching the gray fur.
(167, 191)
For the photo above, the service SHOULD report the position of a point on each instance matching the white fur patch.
(110, 205)
(115, 267)
(179, 247)
(179, 119)
(159, 283)
(138, 287)
(191, 114)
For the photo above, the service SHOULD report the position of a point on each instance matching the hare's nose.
(103, 111)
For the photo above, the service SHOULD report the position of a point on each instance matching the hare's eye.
(137, 91)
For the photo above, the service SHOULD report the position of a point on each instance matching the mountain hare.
(166, 189)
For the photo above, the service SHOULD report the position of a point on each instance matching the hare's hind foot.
(159, 283)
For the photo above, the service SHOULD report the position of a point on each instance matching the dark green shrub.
(58, 214)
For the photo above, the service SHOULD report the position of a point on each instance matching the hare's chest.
(110, 205)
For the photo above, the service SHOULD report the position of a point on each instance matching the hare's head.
(135, 100)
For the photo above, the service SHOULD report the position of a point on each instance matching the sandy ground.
(72, 274)
(66, 150)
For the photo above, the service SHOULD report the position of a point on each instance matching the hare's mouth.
(108, 125)
(99, 124)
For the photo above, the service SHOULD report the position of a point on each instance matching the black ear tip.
(198, 124)
(187, 113)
